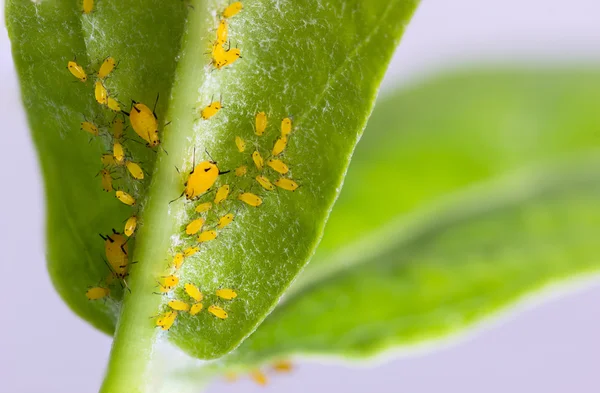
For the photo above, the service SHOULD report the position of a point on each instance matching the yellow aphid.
(166, 320)
(88, 6)
(228, 58)
(241, 170)
(89, 127)
(286, 184)
(203, 207)
(177, 261)
(97, 293)
(258, 160)
(222, 194)
(108, 159)
(144, 123)
(179, 305)
(107, 67)
(261, 123)
(201, 179)
(225, 220)
(233, 9)
(241, 145)
(280, 145)
(130, 226)
(113, 104)
(283, 366)
(196, 308)
(193, 227)
(100, 93)
(218, 52)
(265, 183)
(77, 71)
(107, 180)
(125, 198)
(226, 293)
(217, 312)
(118, 128)
(278, 166)
(207, 236)
(212, 109)
(168, 283)
(118, 153)
(135, 170)
(259, 377)
(188, 252)
(115, 247)
(286, 127)
(193, 292)
(250, 199)
(222, 31)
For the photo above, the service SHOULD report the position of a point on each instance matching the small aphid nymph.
(77, 71)
(107, 180)
(88, 6)
(188, 252)
(179, 305)
(203, 207)
(265, 183)
(96, 293)
(241, 145)
(226, 293)
(286, 127)
(250, 199)
(166, 320)
(89, 127)
(260, 123)
(135, 170)
(107, 67)
(193, 227)
(258, 160)
(222, 194)
(286, 184)
(233, 9)
(125, 198)
(210, 110)
(259, 377)
(167, 283)
(279, 146)
(177, 261)
(196, 308)
(108, 159)
(217, 312)
(241, 170)
(225, 220)
(207, 236)
(193, 292)
(118, 128)
(130, 226)
(118, 153)
(278, 166)
(113, 104)
(222, 32)
(100, 93)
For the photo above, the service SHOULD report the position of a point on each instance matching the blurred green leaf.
(421, 244)
(444, 271)
(317, 62)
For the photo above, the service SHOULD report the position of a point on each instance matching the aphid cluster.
(116, 163)
(218, 195)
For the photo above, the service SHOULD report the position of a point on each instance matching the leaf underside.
(319, 63)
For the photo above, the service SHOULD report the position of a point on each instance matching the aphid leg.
(179, 197)
(155, 102)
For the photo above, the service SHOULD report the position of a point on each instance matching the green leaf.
(446, 270)
(317, 62)
(419, 177)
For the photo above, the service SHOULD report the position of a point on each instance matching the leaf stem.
(129, 369)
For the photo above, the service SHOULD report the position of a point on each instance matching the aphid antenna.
(179, 197)
(155, 103)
